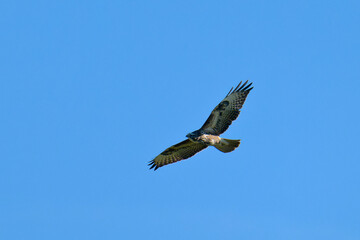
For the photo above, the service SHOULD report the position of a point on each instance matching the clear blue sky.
(90, 91)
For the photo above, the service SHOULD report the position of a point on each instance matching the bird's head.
(189, 135)
(193, 135)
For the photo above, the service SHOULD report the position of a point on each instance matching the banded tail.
(227, 145)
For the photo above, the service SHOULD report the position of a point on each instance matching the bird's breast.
(208, 139)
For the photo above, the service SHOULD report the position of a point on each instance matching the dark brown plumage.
(178, 152)
(227, 110)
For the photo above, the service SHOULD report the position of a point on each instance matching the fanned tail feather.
(227, 145)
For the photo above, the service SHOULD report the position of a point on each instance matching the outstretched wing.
(227, 110)
(175, 153)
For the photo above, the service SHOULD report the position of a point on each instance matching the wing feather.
(177, 152)
(227, 110)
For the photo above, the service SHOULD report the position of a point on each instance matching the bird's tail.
(227, 145)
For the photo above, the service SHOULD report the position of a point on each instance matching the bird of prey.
(209, 134)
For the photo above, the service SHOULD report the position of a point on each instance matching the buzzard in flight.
(208, 135)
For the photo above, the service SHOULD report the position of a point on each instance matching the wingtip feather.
(237, 87)
(241, 87)
(246, 87)
(152, 164)
(229, 91)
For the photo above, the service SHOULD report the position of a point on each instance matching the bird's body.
(209, 134)
(201, 137)
(223, 144)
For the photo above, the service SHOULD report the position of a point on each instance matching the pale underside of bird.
(209, 134)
